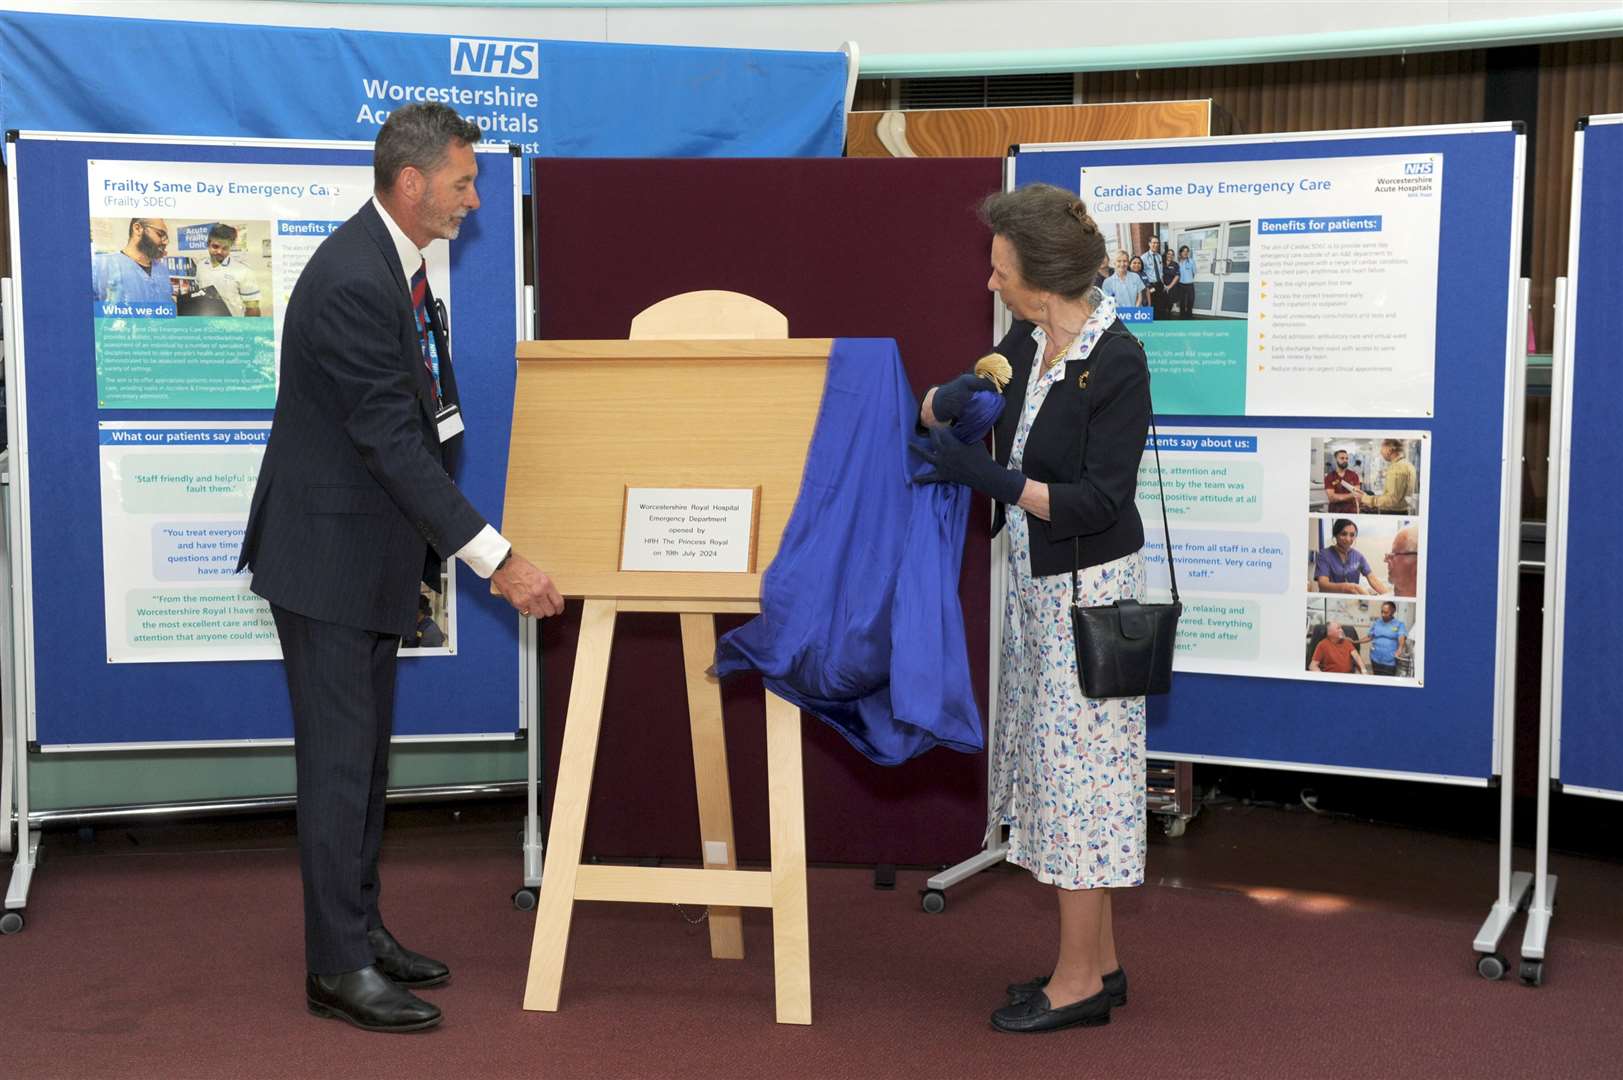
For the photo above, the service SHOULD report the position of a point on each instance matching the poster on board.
(190, 269)
(1299, 552)
(1278, 288)
(174, 505)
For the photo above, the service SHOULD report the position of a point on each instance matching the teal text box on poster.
(185, 363)
(1197, 366)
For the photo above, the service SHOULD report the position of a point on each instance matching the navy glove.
(951, 397)
(968, 464)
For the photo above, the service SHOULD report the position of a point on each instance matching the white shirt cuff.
(484, 551)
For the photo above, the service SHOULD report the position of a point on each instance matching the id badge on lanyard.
(431, 349)
(448, 420)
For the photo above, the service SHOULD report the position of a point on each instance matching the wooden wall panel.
(990, 132)
(1575, 79)
(1314, 95)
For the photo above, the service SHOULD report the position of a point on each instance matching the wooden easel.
(732, 409)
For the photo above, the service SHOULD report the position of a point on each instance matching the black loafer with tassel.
(1035, 1014)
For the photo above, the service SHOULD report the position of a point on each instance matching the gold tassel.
(995, 369)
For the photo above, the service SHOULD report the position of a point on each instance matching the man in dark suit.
(352, 509)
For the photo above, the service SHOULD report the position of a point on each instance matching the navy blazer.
(1085, 444)
(354, 505)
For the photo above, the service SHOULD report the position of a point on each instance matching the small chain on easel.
(704, 913)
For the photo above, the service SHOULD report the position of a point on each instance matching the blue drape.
(860, 622)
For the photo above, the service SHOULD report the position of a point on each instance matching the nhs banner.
(572, 99)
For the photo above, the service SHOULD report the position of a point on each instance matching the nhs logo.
(494, 58)
(1417, 168)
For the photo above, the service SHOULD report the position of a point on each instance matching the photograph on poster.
(1371, 637)
(1363, 556)
(210, 268)
(1366, 475)
(1183, 270)
(435, 625)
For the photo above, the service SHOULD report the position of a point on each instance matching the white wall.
(945, 32)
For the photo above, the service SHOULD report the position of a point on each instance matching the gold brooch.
(1082, 381)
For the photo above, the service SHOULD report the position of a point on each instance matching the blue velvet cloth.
(860, 622)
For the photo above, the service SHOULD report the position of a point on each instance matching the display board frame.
(490, 653)
(1582, 755)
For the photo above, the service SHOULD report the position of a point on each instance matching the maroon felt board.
(844, 248)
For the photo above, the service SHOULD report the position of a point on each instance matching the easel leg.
(574, 789)
(710, 775)
(786, 804)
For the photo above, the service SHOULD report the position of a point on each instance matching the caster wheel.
(1490, 966)
(11, 923)
(1532, 973)
(1175, 827)
(934, 901)
(525, 899)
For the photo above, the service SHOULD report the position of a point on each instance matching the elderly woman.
(1067, 770)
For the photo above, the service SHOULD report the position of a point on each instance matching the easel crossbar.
(670, 885)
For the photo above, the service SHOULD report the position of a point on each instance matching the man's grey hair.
(419, 135)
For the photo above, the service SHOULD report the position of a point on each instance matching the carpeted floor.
(186, 963)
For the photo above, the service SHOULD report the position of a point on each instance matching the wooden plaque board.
(593, 417)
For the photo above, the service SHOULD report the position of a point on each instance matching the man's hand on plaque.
(527, 588)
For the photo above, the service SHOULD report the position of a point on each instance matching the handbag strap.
(1166, 527)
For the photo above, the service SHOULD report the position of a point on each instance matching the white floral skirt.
(1067, 769)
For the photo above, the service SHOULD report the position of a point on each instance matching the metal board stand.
(531, 695)
(1514, 887)
(15, 833)
(1541, 908)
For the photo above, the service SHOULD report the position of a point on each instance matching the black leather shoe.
(1034, 1014)
(404, 966)
(1115, 985)
(369, 1000)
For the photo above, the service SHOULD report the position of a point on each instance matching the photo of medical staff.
(1363, 556)
(1125, 286)
(432, 629)
(1190, 270)
(129, 261)
(203, 268)
(1357, 636)
(1365, 475)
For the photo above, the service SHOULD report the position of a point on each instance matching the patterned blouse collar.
(1102, 317)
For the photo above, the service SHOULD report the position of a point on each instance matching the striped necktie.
(419, 306)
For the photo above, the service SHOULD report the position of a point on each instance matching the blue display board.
(1446, 728)
(1590, 758)
(78, 698)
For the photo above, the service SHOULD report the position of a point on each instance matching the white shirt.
(488, 547)
(234, 282)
